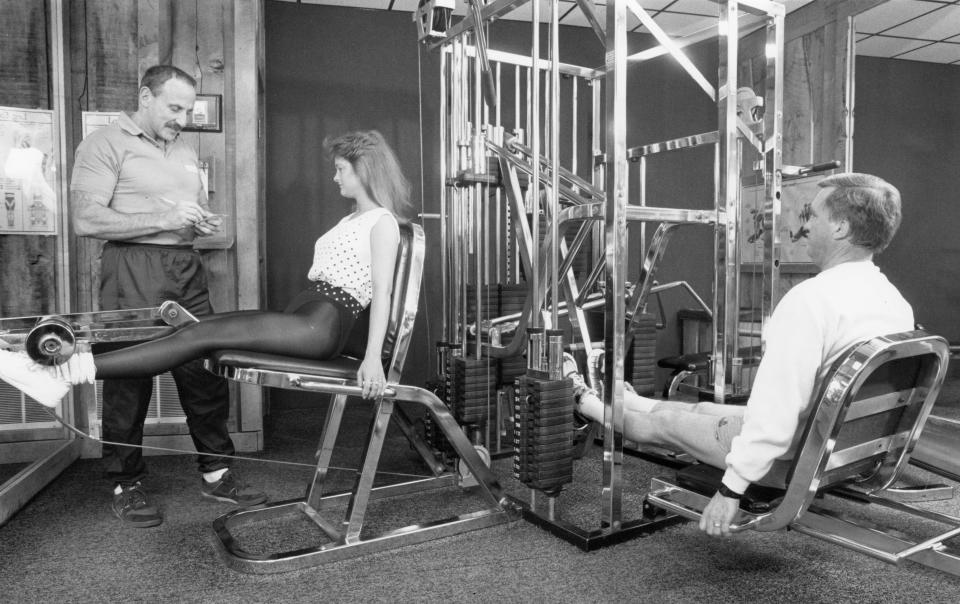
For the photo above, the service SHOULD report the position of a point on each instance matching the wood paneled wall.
(27, 262)
(108, 45)
(112, 42)
(815, 67)
(815, 107)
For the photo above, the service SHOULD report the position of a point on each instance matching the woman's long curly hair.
(376, 166)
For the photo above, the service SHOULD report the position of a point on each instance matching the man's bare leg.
(703, 430)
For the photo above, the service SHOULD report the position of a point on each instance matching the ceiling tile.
(696, 7)
(938, 25)
(376, 4)
(883, 46)
(406, 5)
(576, 17)
(909, 25)
(792, 5)
(410, 6)
(891, 13)
(677, 25)
(647, 4)
(525, 11)
(654, 4)
(939, 52)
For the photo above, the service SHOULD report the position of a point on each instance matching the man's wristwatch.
(726, 492)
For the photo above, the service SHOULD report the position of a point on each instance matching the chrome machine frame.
(856, 444)
(472, 132)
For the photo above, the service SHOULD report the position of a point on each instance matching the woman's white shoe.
(39, 382)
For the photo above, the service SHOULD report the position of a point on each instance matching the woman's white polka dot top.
(341, 257)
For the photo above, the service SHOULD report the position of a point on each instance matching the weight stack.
(512, 298)
(432, 434)
(640, 365)
(543, 433)
(510, 369)
(471, 389)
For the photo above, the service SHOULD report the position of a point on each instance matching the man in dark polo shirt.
(136, 184)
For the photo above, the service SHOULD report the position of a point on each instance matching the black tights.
(311, 331)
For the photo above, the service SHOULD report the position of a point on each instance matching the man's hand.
(210, 224)
(182, 214)
(718, 515)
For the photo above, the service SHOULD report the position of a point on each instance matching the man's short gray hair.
(869, 204)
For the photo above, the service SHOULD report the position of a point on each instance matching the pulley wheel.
(467, 479)
(51, 341)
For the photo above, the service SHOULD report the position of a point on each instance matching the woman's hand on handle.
(371, 379)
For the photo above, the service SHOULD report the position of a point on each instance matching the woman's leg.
(312, 331)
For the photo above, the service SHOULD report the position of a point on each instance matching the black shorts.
(348, 309)
(141, 275)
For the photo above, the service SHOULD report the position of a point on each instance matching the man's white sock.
(591, 406)
(214, 476)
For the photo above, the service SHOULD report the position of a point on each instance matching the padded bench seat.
(344, 368)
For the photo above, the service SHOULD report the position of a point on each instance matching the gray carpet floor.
(66, 546)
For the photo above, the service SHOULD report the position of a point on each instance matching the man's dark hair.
(155, 77)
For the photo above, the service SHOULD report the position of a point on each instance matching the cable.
(86, 436)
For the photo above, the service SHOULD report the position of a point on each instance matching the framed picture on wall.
(206, 114)
(94, 120)
(29, 204)
(797, 194)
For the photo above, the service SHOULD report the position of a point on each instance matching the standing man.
(137, 185)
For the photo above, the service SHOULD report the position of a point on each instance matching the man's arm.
(793, 353)
(92, 217)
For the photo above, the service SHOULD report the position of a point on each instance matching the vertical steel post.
(498, 195)
(444, 200)
(773, 161)
(574, 125)
(478, 157)
(598, 167)
(534, 188)
(849, 89)
(617, 189)
(463, 197)
(726, 306)
(554, 163)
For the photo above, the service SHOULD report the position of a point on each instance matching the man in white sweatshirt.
(852, 218)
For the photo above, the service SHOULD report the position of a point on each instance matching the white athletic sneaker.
(33, 379)
(570, 370)
(595, 360)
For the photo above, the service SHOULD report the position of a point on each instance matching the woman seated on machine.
(353, 267)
